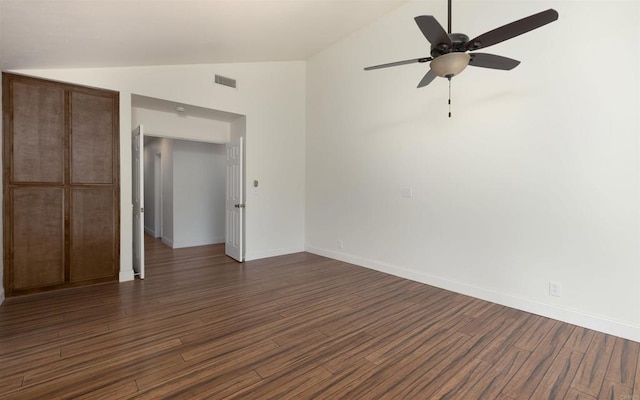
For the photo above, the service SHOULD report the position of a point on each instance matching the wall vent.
(223, 80)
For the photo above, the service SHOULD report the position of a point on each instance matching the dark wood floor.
(295, 327)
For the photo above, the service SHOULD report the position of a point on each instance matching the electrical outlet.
(340, 244)
(555, 289)
(407, 192)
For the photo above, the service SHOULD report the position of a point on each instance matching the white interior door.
(235, 201)
(137, 153)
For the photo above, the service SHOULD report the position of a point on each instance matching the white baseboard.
(271, 253)
(1, 294)
(168, 242)
(126, 274)
(216, 240)
(597, 323)
(149, 231)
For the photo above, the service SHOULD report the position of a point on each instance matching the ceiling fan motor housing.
(458, 42)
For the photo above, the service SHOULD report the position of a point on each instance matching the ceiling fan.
(449, 51)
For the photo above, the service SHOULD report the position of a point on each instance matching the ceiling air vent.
(223, 80)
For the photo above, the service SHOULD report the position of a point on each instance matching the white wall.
(195, 178)
(150, 150)
(272, 97)
(195, 124)
(163, 124)
(199, 177)
(166, 149)
(534, 179)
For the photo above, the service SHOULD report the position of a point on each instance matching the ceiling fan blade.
(393, 64)
(432, 30)
(513, 29)
(485, 60)
(430, 76)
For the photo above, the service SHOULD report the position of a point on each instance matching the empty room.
(414, 199)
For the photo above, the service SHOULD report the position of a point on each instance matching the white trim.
(621, 329)
(149, 231)
(168, 242)
(126, 274)
(1, 294)
(272, 253)
(215, 240)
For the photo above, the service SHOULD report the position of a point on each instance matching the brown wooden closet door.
(93, 234)
(61, 185)
(38, 133)
(92, 139)
(38, 237)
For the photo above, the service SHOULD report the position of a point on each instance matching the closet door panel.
(92, 139)
(38, 133)
(93, 234)
(38, 237)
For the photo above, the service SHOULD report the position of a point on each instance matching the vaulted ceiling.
(107, 33)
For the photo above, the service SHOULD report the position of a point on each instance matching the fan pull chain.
(449, 97)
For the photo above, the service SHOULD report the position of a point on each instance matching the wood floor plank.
(502, 344)
(25, 342)
(266, 331)
(200, 384)
(408, 343)
(11, 382)
(486, 317)
(499, 374)
(525, 382)
(316, 352)
(580, 339)
(240, 360)
(20, 362)
(623, 362)
(556, 382)
(386, 378)
(615, 390)
(593, 367)
(285, 385)
(73, 365)
(425, 381)
(531, 338)
(573, 394)
(636, 384)
(339, 384)
(85, 381)
(299, 326)
(453, 384)
(419, 380)
(117, 390)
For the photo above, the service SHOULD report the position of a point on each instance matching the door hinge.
(240, 205)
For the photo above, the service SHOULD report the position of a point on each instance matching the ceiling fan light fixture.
(450, 64)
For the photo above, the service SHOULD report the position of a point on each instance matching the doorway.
(191, 181)
(170, 120)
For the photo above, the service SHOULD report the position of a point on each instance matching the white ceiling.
(107, 33)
